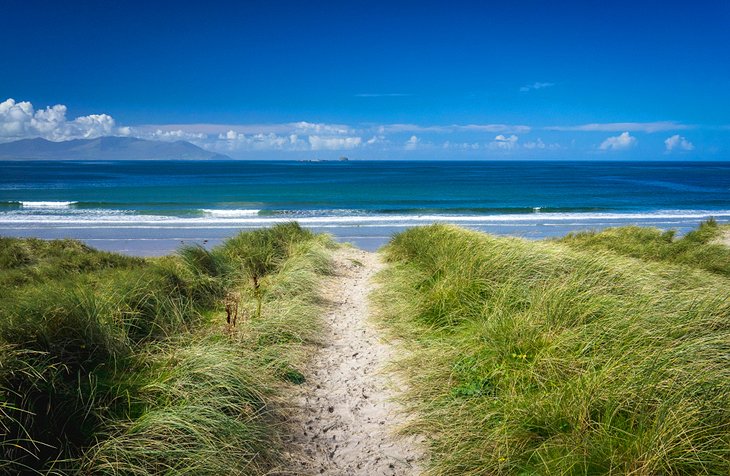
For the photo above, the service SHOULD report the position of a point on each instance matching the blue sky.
(452, 79)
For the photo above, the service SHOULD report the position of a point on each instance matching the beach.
(364, 238)
(156, 239)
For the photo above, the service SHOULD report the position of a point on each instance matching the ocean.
(152, 207)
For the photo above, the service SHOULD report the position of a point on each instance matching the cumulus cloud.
(620, 142)
(534, 86)
(504, 142)
(412, 143)
(20, 120)
(232, 135)
(15, 118)
(291, 136)
(677, 142)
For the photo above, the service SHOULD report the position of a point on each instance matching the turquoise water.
(149, 207)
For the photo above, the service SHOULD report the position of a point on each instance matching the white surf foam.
(250, 218)
(230, 213)
(26, 204)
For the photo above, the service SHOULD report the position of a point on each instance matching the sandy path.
(345, 421)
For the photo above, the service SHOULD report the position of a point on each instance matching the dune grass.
(30, 260)
(699, 248)
(540, 358)
(116, 365)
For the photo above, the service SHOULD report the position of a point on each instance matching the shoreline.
(160, 239)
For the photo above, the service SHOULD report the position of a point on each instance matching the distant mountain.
(105, 148)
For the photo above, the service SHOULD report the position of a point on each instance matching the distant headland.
(105, 148)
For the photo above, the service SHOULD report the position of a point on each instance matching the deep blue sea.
(150, 207)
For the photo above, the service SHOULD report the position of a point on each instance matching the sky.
(587, 80)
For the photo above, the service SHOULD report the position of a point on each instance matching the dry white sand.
(345, 422)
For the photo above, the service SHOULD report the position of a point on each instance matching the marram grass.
(540, 358)
(699, 248)
(122, 366)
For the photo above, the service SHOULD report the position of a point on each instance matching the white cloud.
(376, 139)
(304, 127)
(534, 86)
(15, 118)
(236, 141)
(334, 143)
(318, 128)
(538, 144)
(451, 128)
(658, 126)
(503, 142)
(677, 142)
(462, 145)
(88, 127)
(270, 141)
(620, 142)
(412, 143)
(232, 135)
(164, 135)
(20, 120)
(216, 129)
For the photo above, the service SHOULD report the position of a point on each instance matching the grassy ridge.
(114, 365)
(30, 260)
(538, 358)
(698, 248)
